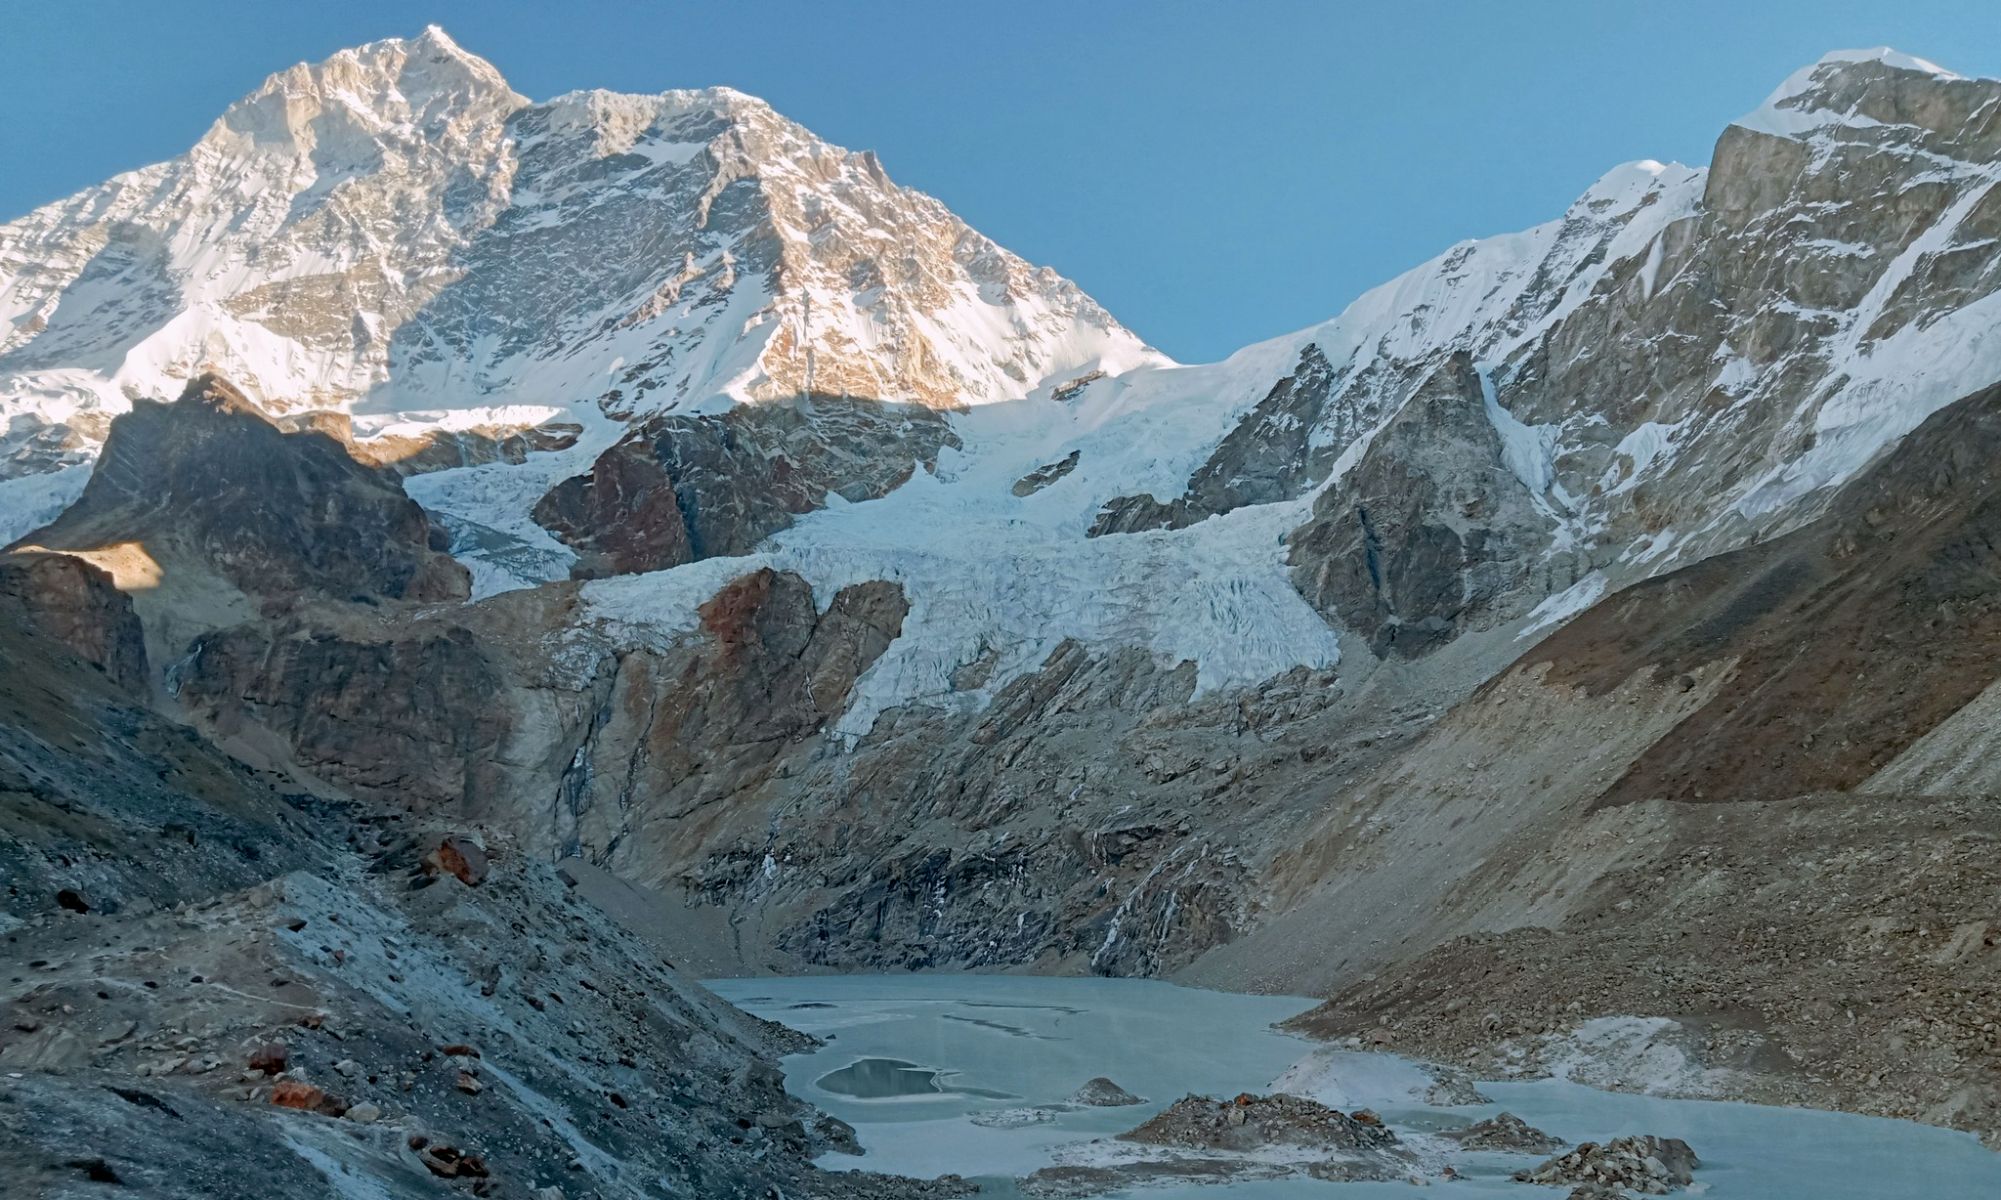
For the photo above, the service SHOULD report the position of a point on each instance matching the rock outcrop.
(209, 483)
(105, 805)
(1432, 532)
(76, 604)
(406, 714)
(1287, 442)
(1650, 1165)
(1505, 1131)
(1103, 1093)
(679, 489)
(1254, 1122)
(1046, 474)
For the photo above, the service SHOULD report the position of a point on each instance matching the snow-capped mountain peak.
(1836, 89)
(394, 232)
(380, 86)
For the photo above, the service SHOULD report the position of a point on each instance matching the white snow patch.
(1648, 442)
(1528, 451)
(1648, 1055)
(28, 502)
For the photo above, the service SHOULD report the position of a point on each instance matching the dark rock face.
(988, 840)
(622, 518)
(683, 732)
(1430, 533)
(1282, 447)
(430, 712)
(409, 718)
(76, 604)
(683, 488)
(1273, 454)
(212, 479)
(1137, 514)
(701, 766)
(1046, 474)
(778, 669)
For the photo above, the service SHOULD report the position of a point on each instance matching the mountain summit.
(395, 230)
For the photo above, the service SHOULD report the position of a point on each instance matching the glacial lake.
(914, 1061)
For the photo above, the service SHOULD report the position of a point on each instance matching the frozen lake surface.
(947, 1074)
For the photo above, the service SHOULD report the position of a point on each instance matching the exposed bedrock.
(1430, 533)
(229, 984)
(209, 481)
(1096, 815)
(682, 488)
(75, 604)
(1287, 442)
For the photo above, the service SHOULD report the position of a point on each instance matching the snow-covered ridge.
(397, 234)
(1003, 581)
(1791, 110)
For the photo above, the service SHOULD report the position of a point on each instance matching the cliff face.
(678, 489)
(209, 483)
(1429, 534)
(77, 606)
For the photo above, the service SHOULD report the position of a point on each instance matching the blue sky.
(1215, 173)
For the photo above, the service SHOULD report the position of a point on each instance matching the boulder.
(1506, 1131)
(449, 1162)
(294, 1093)
(1251, 1122)
(269, 1058)
(1644, 1163)
(1103, 1093)
(460, 857)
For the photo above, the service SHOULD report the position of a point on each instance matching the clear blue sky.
(1215, 173)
